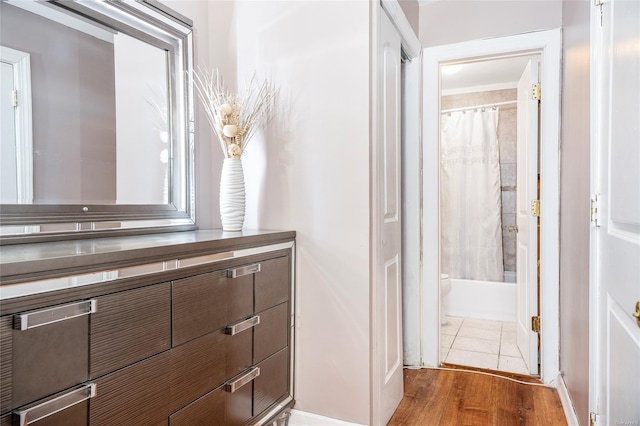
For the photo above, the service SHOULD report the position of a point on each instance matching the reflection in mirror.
(100, 112)
(16, 149)
(109, 116)
(142, 131)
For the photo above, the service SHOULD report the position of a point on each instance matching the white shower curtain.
(470, 200)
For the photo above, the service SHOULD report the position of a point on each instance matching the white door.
(527, 236)
(616, 240)
(388, 389)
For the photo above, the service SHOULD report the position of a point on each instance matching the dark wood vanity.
(114, 309)
(185, 328)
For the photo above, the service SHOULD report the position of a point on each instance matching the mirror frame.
(157, 24)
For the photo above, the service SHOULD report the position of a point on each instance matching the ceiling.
(494, 72)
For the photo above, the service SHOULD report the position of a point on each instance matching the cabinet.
(198, 345)
(245, 316)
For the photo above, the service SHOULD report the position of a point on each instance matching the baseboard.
(565, 399)
(302, 418)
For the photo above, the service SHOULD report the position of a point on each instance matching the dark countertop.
(37, 260)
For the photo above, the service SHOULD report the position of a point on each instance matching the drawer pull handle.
(243, 270)
(37, 412)
(234, 385)
(242, 325)
(46, 316)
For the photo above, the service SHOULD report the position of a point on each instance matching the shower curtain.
(470, 200)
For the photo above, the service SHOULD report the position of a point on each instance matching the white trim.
(21, 63)
(548, 44)
(410, 43)
(411, 211)
(478, 89)
(565, 400)
(375, 361)
(302, 418)
(595, 87)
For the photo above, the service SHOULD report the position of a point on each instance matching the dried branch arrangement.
(234, 118)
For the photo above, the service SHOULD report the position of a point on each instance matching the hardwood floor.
(469, 398)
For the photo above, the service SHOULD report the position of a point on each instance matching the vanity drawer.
(129, 327)
(273, 332)
(203, 364)
(50, 351)
(273, 383)
(68, 408)
(272, 283)
(139, 394)
(207, 302)
(219, 407)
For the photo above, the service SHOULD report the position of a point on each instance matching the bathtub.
(488, 300)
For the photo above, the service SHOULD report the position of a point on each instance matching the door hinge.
(535, 208)
(595, 203)
(592, 419)
(15, 98)
(535, 92)
(599, 3)
(535, 324)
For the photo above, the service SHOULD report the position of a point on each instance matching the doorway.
(16, 144)
(486, 174)
(546, 44)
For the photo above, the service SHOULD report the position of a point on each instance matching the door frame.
(548, 45)
(595, 88)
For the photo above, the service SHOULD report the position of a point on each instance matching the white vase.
(232, 195)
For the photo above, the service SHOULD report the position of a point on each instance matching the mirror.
(98, 137)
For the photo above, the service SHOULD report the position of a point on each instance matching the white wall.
(445, 22)
(310, 172)
(575, 206)
(215, 47)
(411, 9)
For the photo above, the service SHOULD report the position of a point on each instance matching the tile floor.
(481, 343)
